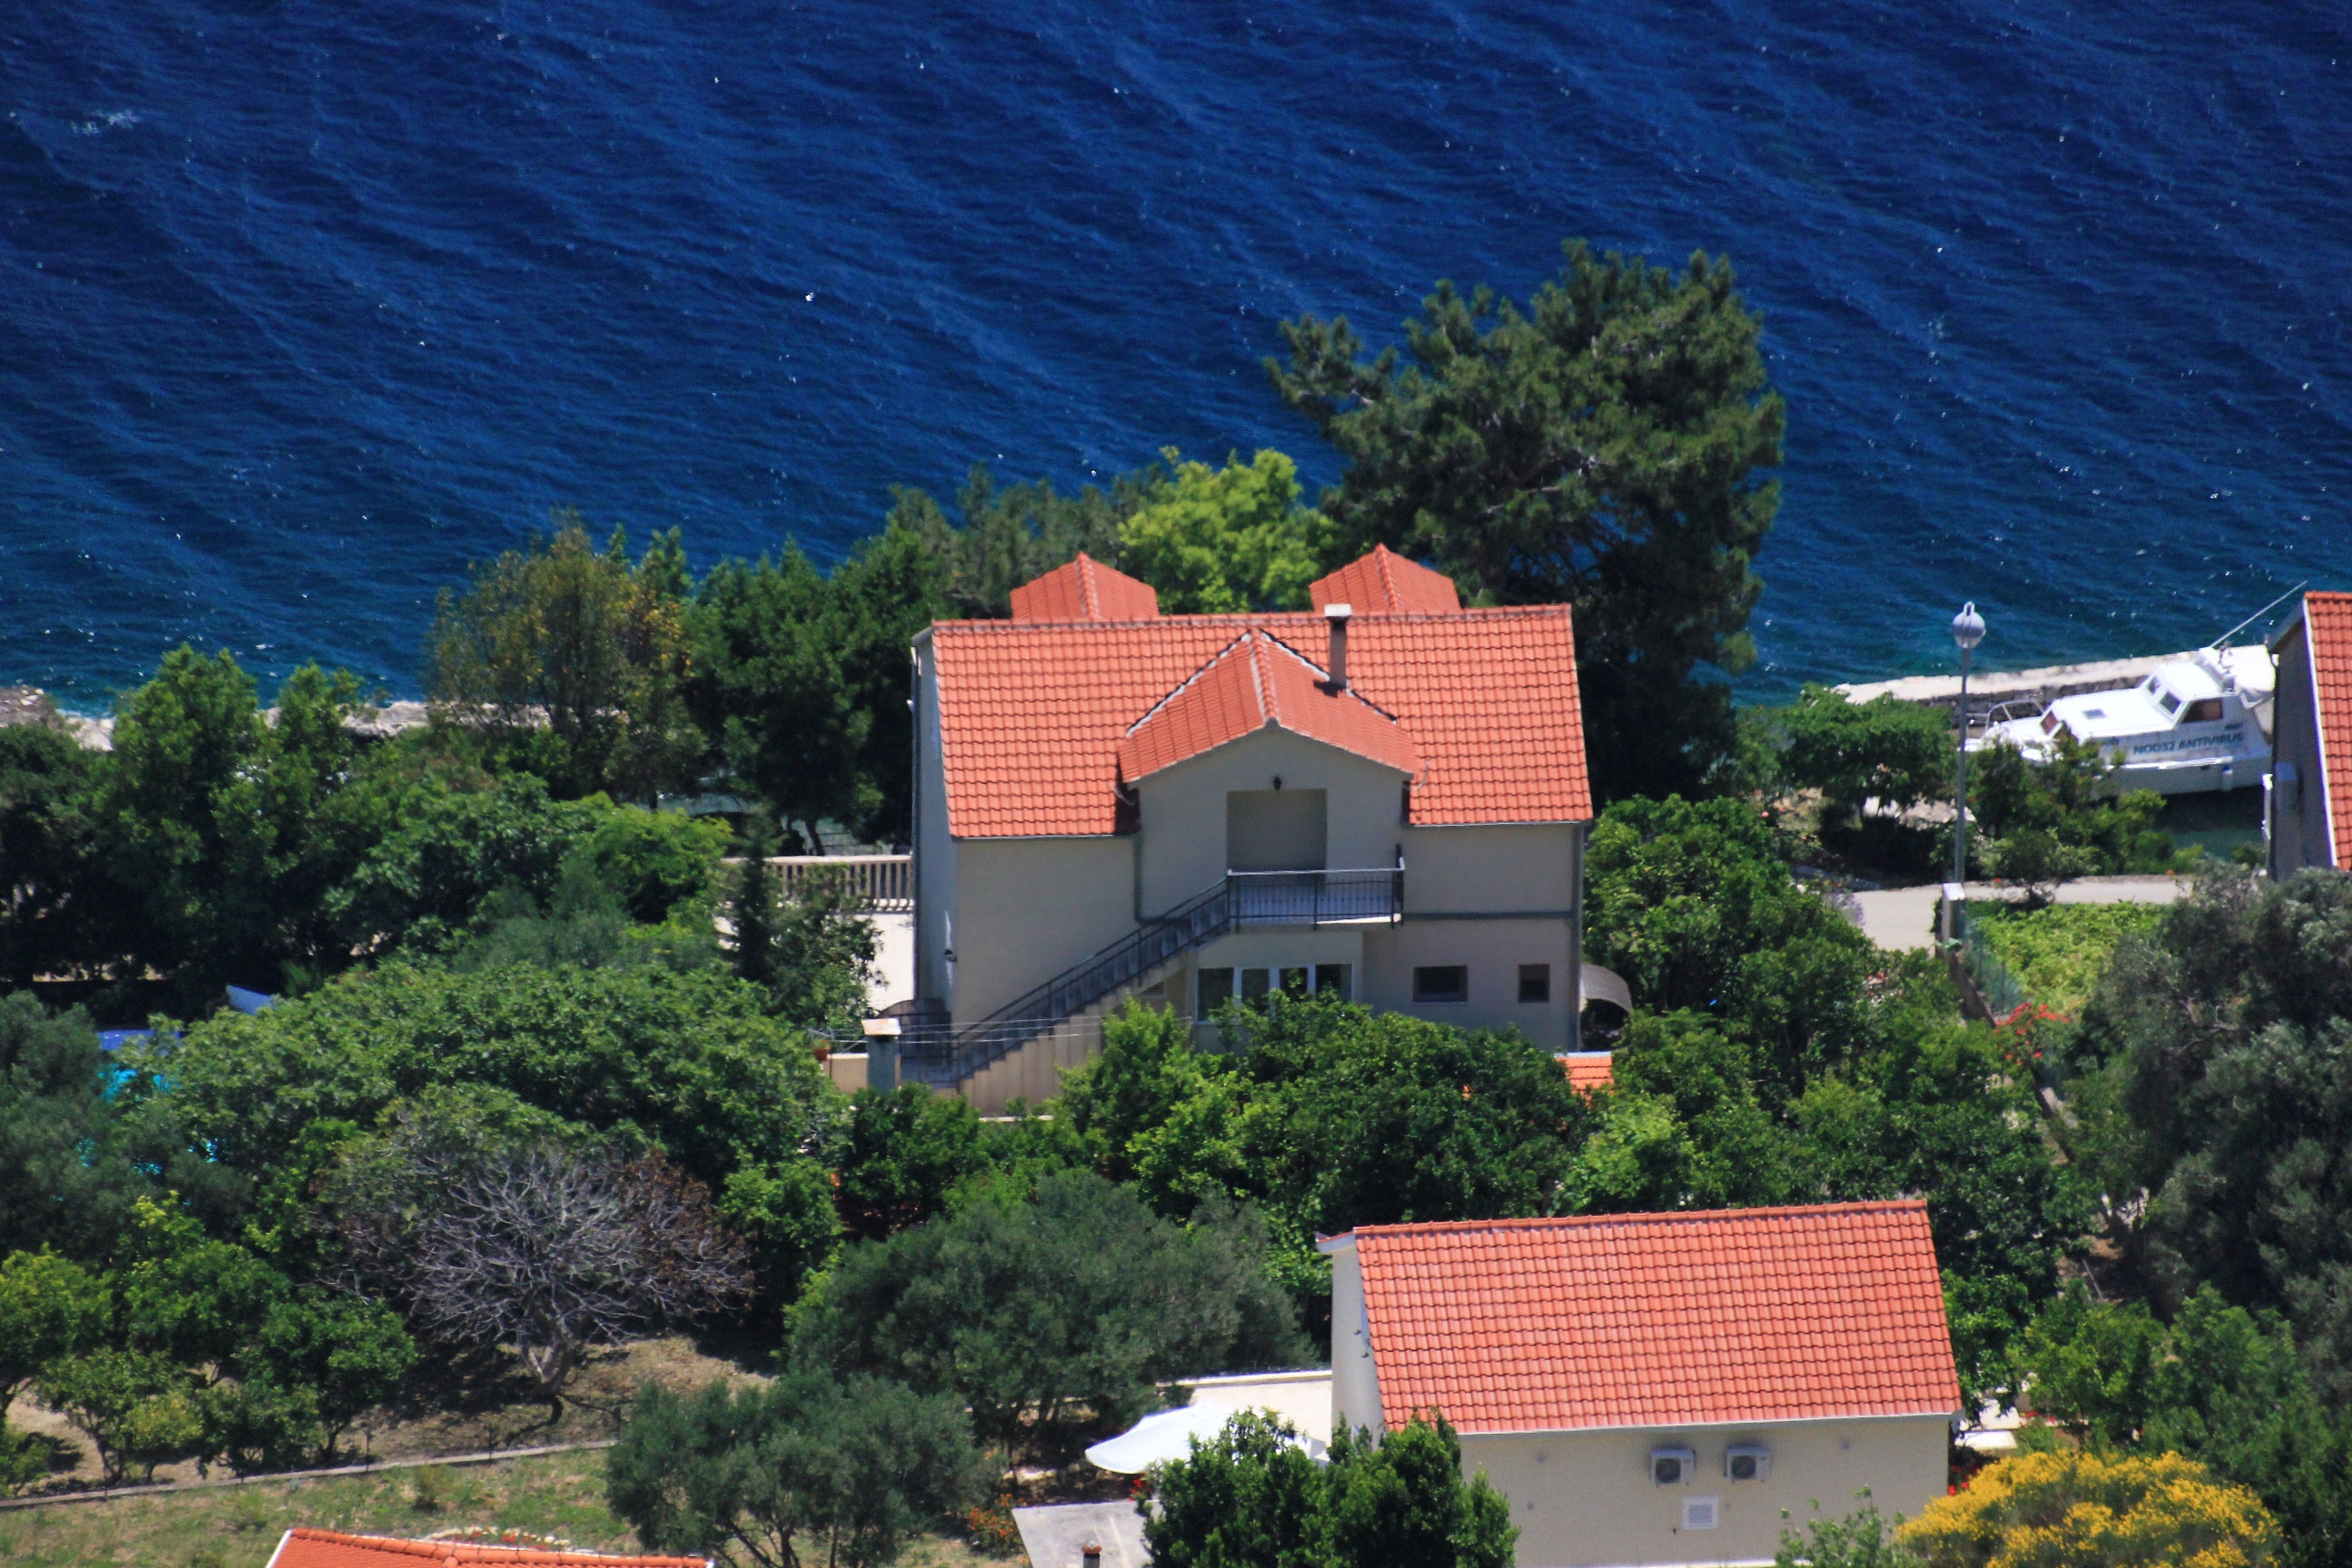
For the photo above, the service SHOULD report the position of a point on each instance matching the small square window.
(1256, 984)
(1442, 983)
(1331, 980)
(1535, 982)
(1216, 990)
(1699, 1513)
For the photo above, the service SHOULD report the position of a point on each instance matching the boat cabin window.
(2169, 701)
(2050, 722)
(2204, 711)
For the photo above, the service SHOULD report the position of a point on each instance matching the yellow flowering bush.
(2092, 1510)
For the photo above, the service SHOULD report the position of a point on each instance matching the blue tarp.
(245, 1001)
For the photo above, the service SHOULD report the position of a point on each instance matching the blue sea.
(306, 304)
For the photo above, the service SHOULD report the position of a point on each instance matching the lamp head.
(1968, 626)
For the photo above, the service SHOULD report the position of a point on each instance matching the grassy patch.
(560, 1495)
(2058, 954)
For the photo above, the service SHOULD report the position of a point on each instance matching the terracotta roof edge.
(1937, 1414)
(1653, 1216)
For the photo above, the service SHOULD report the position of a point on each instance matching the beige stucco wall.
(1027, 908)
(1489, 870)
(2300, 834)
(1493, 950)
(1182, 810)
(1585, 1499)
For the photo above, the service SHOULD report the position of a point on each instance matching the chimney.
(1092, 1556)
(1336, 617)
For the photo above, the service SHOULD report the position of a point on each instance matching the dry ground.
(559, 1495)
(467, 1408)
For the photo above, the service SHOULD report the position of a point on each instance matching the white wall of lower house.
(1355, 1391)
(894, 960)
(2301, 834)
(1493, 950)
(1585, 1499)
(1028, 909)
(1182, 810)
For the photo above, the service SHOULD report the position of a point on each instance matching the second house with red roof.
(1384, 797)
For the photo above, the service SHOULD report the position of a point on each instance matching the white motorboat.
(2194, 724)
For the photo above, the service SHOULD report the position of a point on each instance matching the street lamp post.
(1968, 630)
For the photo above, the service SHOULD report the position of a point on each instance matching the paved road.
(1904, 917)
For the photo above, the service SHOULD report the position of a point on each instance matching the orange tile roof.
(1589, 1070)
(2327, 623)
(1385, 583)
(1660, 1319)
(1257, 681)
(305, 1548)
(1084, 590)
(1033, 714)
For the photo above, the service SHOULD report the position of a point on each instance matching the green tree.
(432, 880)
(70, 1170)
(2052, 821)
(1073, 1307)
(1607, 447)
(1250, 1497)
(1863, 1539)
(1682, 1127)
(1403, 1502)
(2222, 1084)
(46, 783)
(823, 954)
(50, 1309)
(1689, 901)
(137, 1408)
(2222, 1385)
(1001, 537)
(906, 1151)
(217, 830)
(574, 662)
(768, 683)
(686, 1062)
(845, 1471)
(1216, 540)
(1899, 752)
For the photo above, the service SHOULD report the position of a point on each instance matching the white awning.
(1169, 1435)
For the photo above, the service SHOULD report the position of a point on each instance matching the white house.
(1384, 797)
(1656, 1389)
(2307, 816)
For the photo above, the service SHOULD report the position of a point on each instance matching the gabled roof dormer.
(1386, 583)
(1258, 682)
(1084, 590)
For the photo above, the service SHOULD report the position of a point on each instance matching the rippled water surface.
(303, 305)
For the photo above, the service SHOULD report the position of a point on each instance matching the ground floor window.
(1535, 982)
(1441, 983)
(1216, 987)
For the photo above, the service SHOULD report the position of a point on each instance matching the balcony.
(1315, 897)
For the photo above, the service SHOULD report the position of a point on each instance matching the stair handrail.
(1207, 915)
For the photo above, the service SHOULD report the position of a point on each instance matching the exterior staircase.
(1014, 1051)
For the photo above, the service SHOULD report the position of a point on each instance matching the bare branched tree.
(548, 1250)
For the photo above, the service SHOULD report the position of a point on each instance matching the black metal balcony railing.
(943, 1055)
(1314, 898)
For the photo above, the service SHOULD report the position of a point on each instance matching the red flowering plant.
(2029, 1039)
